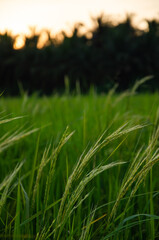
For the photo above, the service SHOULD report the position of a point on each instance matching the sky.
(56, 15)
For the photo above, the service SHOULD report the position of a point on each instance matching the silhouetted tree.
(114, 54)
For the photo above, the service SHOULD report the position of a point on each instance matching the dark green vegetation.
(95, 183)
(112, 54)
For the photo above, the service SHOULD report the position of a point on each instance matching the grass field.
(79, 167)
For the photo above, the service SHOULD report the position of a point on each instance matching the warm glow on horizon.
(56, 15)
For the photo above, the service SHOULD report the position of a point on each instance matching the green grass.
(79, 167)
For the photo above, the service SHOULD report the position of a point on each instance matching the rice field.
(79, 166)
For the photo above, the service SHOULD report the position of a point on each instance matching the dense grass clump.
(92, 180)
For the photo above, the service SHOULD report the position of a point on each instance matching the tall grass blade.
(17, 232)
(6, 184)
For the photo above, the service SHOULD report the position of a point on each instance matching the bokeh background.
(46, 46)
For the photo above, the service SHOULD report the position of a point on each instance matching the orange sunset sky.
(56, 15)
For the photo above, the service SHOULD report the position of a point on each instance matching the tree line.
(112, 54)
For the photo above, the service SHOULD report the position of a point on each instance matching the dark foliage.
(114, 54)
